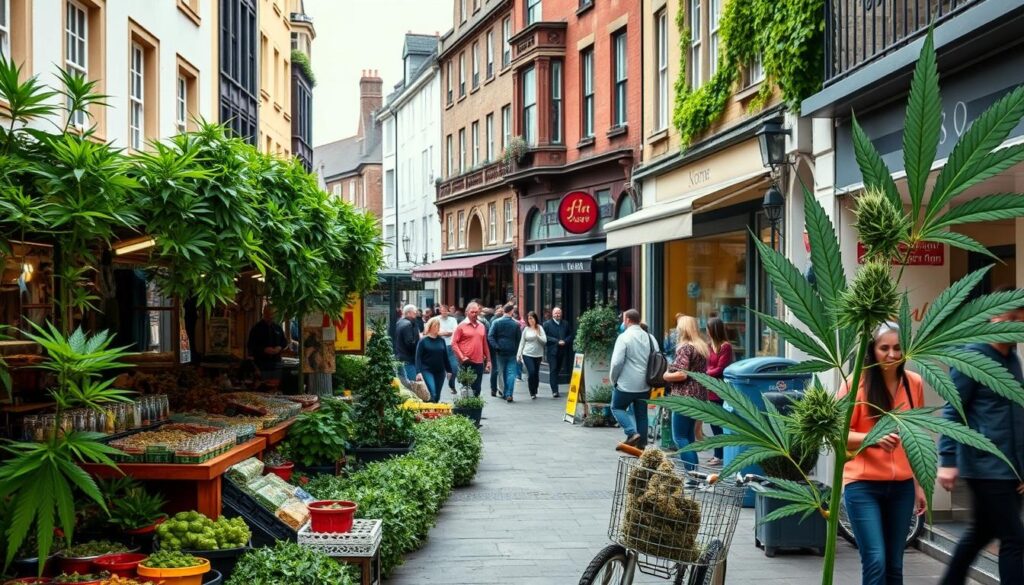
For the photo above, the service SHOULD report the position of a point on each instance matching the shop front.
(486, 276)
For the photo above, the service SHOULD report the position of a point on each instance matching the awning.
(461, 267)
(673, 220)
(571, 258)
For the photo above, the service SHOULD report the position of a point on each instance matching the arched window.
(626, 206)
(534, 228)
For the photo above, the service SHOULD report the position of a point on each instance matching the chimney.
(371, 98)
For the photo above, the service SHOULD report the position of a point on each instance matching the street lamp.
(773, 204)
(771, 138)
(406, 243)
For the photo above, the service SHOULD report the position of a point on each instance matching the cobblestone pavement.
(538, 509)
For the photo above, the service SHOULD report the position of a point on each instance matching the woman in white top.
(531, 349)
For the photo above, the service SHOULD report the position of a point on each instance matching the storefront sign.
(578, 212)
(350, 331)
(574, 389)
(923, 254)
(554, 267)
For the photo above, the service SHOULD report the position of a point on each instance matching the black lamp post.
(773, 205)
(771, 138)
(406, 243)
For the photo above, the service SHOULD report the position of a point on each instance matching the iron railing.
(860, 31)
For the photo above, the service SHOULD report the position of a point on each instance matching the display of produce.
(113, 418)
(185, 387)
(176, 443)
(167, 559)
(194, 531)
(116, 580)
(93, 548)
(264, 404)
(306, 400)
(245, 471)
(80, 578)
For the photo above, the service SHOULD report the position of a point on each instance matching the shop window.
(27, 294)
(619, 97)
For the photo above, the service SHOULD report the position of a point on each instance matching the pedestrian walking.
(496, 381)
(878, 483)
(559, 345)
(504, 337)
(691, 356)
(432, 363)
(407, 335)
(470, 345)
(720, 355)
(531, 351)
(420, 320)
(448, 325)
(995, 487)
(629, 378)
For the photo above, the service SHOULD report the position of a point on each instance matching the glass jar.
(137, 418)
(29, 428)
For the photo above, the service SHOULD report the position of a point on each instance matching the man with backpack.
(632, 371)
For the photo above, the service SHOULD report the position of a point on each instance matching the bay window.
(556, 102)
(530, 106)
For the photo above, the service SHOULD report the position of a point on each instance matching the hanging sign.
(578, 212)
(923, 254)
(350, 333)
(574, 389)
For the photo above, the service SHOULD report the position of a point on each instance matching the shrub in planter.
(379, 420)
(453, 441)
(276, 462)
(596, 331)
(137, 511)
(349, 371)
(293, 564)
(319, 438)
(470, 407)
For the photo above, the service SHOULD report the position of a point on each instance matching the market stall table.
(205, 497)
(276, 434)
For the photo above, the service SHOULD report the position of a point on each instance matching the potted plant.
(470, 407)
(382, 428)
(79, 558)
(274, 461)
(80, 578)
(514, 152)
(288, 562)
(174, 568)
(332, 516)
(595, 338)
(220, 541)
(317, 440)
(137, 512)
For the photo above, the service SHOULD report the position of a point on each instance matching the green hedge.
(293, 564)
(407, 492)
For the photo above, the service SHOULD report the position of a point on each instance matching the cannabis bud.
(881, 225)
(870, 299)
(818, 418)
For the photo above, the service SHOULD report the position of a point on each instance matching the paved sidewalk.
(538, 509)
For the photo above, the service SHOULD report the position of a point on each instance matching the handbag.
(657, 365)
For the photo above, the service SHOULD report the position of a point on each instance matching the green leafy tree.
(838, 317)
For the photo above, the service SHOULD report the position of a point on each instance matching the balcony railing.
(490, 174)
(860, 31)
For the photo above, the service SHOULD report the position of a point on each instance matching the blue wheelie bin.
(755, 377)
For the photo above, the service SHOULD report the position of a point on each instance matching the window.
(714, 14)
(556, 102)
(506, 47)
(506, 126)
(181, 104)
(490, 54)
(448, 66)
(389, 136)
(475, 137)
(532, 11)
(530, 106)
(425, 174)
(619, 95)
(76, 49)
(492, 223)
(5, 29)
(450, 155)
(695, 76)
(476, 65)
(389, 188)
(462, 150)
(509, 226)
(587, 71)
(185, 116)
(451, 231)
(755, 71)
(661, 46)
(336, 190)
(352, 192)
(462, 75)
(462, 229)
(389, 239)
(136, 97)
(239, 78)
(426, 237)
(489, 138)
(150, 318)
(462, 11)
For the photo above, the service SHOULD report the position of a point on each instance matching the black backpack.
(657, 365)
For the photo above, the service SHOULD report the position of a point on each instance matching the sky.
(353, 35)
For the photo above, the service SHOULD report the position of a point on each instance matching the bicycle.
(846, 529)
(674, 524)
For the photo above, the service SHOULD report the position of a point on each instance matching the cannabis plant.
(838, 317)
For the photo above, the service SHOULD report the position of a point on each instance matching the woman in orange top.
(879, 486)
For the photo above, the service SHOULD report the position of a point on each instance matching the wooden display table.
(205, 495)
(276, 434)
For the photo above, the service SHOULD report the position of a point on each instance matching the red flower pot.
(338, 520)
(147, 529)
(120, 564)
(283, 471)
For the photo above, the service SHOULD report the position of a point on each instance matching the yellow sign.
(657, 393)
(574, 389)
(350, 332)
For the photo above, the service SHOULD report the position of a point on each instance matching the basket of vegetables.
(79, 558)
(221, 542)
(174, 568)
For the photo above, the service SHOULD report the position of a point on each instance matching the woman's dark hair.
(716, 331)
(874, 385)
(536, 319)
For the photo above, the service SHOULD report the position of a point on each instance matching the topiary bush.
(379, 422)
(288, 562)
(596, 331)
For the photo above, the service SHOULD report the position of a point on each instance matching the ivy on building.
(787, 34)
(299, 59)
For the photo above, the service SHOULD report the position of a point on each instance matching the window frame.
(136, 96)
(587, 93)
(661, 63)
(190, 74)
(492, 223)
(463, 12)
(390, 189)
(714, 19)
(462, 229)
(476, 64)
(557, 101)
(620, 78)
(756, 65)
(5, 29)
(80, 40)
(450, 144)
(180, 102)
(530, 105)
(462, 74)
(506, 126)
(474, 133)
(534, 11)
(462, 150)
(506, 36)
(489, 137)
(490, 53)
(509, 226)
(696, 78)
(450, 222)
(451, 92)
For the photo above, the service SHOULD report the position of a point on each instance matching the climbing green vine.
(787, 34)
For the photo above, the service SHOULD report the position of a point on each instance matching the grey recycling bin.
(755, 377)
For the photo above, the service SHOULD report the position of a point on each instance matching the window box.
(617, 131)
(585, 142)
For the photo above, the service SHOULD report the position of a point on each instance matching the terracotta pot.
(337, 521)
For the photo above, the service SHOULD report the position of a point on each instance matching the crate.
(159, 457)
(266, 527)
(129, 457)
(362, 541)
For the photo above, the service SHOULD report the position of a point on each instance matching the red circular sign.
(578, 212)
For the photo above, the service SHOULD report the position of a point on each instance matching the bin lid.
(763, 367)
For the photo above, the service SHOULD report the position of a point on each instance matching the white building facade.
(156, 60)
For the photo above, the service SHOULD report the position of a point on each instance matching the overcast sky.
(352, 35)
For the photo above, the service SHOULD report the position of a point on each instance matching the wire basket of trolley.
(667, 520)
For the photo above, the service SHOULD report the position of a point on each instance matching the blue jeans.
(506, 368)
(683, 429)
(880, 516)
(455, 367)
(631, 425)
(434, 382)
(408, 371)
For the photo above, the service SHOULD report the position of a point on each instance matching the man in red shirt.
(469, 343)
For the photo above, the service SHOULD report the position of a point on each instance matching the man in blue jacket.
(995, 488)
(504, 338)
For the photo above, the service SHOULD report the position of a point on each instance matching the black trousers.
(556, 363)
(532, 373)
(996, 516)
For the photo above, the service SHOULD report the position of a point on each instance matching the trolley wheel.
(608, 567)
